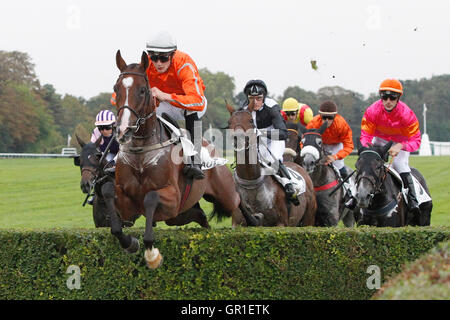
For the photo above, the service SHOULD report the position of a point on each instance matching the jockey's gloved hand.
(111, 167)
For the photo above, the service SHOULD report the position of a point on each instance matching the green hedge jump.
(241, 263)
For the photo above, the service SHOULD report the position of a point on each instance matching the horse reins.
(140, 120)
(376, 186)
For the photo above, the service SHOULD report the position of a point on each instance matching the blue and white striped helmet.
(104, 118)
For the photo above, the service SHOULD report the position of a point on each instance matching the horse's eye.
(116, 88)
(303, 140)
(143, 90)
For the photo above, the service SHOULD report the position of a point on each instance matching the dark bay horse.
(262, 194)
(149, 178)
(330, 202)
(91, 164)
(93, 176)
(379, 193)
(292, 150)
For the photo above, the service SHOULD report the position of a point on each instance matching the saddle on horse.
(195, 157)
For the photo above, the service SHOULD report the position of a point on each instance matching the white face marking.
(124, 123)
(127, 83)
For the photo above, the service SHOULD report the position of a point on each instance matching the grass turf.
(45, 193)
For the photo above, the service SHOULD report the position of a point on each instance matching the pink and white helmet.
(104, 118)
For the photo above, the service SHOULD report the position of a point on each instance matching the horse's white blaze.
(124, 122)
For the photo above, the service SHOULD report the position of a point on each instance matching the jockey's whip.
(92, 192)
(388, 167)
(107, 148)
(341, 183)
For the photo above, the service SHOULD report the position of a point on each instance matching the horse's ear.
(361, 150)
(384, 151)
(80, 142)
(120, 62)
(323, 127)
(144, 60)
(301, 129)
(230, 108)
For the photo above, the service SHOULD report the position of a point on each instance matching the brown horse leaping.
(261, 194)
(148, 180)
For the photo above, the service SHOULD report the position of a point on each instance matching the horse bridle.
(140, 120)
(253, 127)
(297, 148)
(317, 162)
(376, 185)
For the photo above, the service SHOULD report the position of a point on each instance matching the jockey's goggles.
(291, 113)
(160, 57)
(391, 96)
(327, 117)
(100, 128)
(257, 98)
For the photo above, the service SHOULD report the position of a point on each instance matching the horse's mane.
(380, 150)
(292, 126)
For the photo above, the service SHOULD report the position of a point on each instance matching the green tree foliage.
(219, 87)
(26, 122)
(17, 67)
(99, 102)
(34, 118)
(302, 96)
(435, 93)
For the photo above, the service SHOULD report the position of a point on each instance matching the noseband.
(140, 120)
(317, 162)
(246, 147)
(377, 182)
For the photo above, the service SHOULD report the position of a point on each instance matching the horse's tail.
(218, 212)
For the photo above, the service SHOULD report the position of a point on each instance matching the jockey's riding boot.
(91, 200)
(194, 168)
(413, 204)
(291, 194)
(111, 170)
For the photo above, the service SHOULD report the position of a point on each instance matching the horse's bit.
(376, 186)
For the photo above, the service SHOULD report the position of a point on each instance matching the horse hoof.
(134, 246)
(259, 217)
(153, 258)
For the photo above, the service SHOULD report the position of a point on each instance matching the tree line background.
(36, 119)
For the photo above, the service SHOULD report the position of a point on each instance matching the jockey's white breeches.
(401, 161)
(333, 149)
(276, 147)
(177, 113)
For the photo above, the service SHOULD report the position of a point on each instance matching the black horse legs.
(152, 255)
(151, 200)
(127, 242)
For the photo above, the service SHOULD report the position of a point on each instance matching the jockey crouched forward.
(389, 119)
(266, 116)
(337, 140)
(104, 123)
(176, 83)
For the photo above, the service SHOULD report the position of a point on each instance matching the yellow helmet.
(290, 104)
